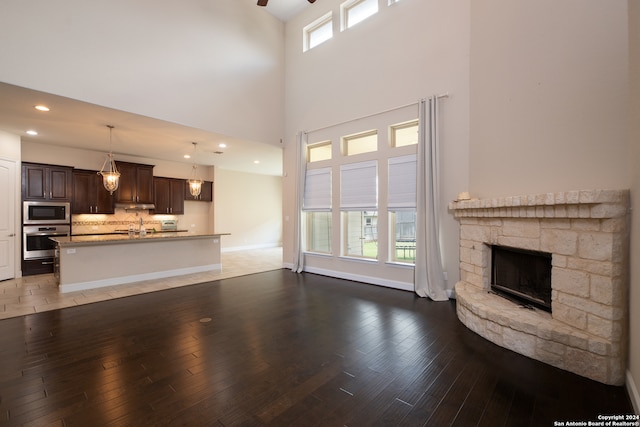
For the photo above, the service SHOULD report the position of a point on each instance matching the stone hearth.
(587, 233)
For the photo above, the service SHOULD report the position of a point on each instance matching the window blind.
(402, 182)
(359, 185)
(317, 190)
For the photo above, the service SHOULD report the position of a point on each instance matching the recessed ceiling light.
(222, 145)
(187, 156)
(32, 132)
(256, 161)
(42, 108)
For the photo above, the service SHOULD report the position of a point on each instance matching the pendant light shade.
(109, 171)
(195, 184)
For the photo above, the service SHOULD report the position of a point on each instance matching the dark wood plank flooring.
(281, 349)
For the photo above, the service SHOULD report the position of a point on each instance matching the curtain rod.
(443, 95)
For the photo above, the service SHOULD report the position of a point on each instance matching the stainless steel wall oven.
(42, 220)
(36, 243)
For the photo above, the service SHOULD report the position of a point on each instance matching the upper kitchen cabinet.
(136, 183)
(46, 182)
(206, 192)
(169, 196)
(89, 194)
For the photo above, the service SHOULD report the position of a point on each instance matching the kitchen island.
(95, 261)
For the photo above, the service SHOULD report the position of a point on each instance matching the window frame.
(316, 25)
(344, 238)
(360, 135)
(403, 125)
(393, 242)
(350, 5)
(321, 144)
(310, 236)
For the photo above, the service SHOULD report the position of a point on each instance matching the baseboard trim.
(95, 284)
(360, 278)
(634, 396)
(250, 247)
(451, 293)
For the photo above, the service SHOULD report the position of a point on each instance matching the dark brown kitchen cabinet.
(136, 183)
(46, 182)
(206, 192)
(169, 196)
(89, 194)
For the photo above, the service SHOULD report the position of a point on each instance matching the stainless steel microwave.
(35, 213)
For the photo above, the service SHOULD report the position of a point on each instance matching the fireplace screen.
(523, 274)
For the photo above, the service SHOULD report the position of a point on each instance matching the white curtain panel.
(298, 253)
(429, 274)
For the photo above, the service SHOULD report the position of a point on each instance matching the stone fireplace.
(586, 233)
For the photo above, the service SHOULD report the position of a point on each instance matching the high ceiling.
(79, 124)
(76, 124)
(285, 9)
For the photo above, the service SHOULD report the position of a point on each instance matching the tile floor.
(34, 294)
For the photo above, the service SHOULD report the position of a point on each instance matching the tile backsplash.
(120, 220)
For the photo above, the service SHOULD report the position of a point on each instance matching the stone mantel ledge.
(565, 204)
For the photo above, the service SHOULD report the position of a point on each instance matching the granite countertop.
(103, 239)
(120, 232)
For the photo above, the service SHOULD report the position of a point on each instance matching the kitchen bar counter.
(118, 238)
(94, 261)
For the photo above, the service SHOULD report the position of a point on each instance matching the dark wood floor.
(280, 349)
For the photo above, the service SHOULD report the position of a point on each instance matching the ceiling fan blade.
(264, 2)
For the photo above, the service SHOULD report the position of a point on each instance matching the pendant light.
(195, 184)
(110, 176)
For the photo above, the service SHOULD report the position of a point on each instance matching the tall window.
(319, 31)
(401, 202)
(317, 210)
(355, 11)
(358, 202)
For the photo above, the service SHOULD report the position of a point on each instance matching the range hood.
(135, 206)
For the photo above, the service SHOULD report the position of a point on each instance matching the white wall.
(408, 51)
(214, 65)
(634, 155)
(10, 151)
(549, 84)
(249, 207)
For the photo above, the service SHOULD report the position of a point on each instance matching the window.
(319, 31)
(317, 189)
(360, 143)
(317, 207)
(402, 231)
(402, 182)
(360, 234)
(359, 185)
(359, 200)
(318, 232)
(355, 11)
(404, 134)
(401, 202)
(319, 151)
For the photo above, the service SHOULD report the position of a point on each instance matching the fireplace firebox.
(522, 274)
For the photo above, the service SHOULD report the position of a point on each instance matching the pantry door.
(7, 219)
